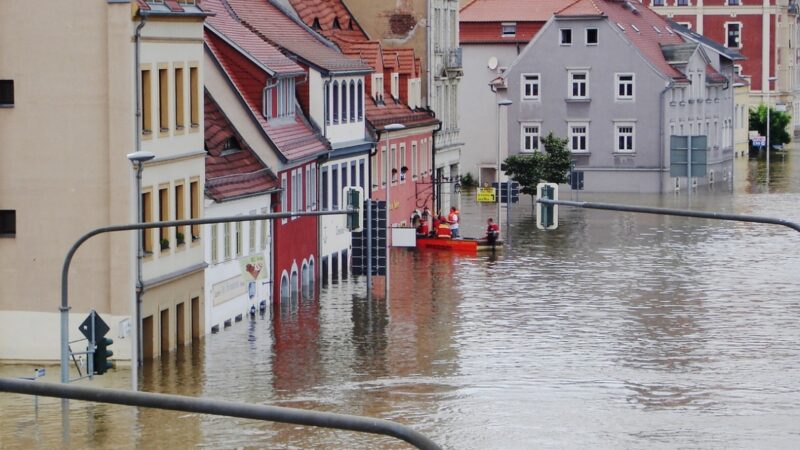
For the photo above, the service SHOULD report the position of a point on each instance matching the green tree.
(552, 165)
(778, 121)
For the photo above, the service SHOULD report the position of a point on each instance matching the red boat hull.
(466, 245)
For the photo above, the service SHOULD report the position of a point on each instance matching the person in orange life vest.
(452, 219)
(492, 231)
(443, 230)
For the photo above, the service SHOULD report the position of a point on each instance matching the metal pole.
(689, 169)
(389, 161)
(223, 408)
(768, 129)
(508, 210)
(136, 308)
(673, 212)
(499, 204)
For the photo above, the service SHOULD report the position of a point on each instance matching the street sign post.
(546, 215)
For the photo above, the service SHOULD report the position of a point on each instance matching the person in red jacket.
(492, 231)
(443, 229)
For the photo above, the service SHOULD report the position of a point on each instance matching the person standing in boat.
(492, 231)
(452, 219)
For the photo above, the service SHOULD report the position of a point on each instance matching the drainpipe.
(136, 358)
(661, 127)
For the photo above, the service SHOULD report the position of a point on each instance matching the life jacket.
(443, 231)
(493, 228)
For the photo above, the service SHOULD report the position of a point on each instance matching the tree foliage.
(552, 165)
(778, 121)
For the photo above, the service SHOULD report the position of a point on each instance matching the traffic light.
(546, 215)
(101, 356)
(355, 201)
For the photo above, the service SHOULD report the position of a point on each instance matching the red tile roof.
(403, 60)
(510, 10)
(277, 27)
(713, 76)
(324, 13)
(379, 116)
(224, 22)
(231, 174)
(368, 51)
(293, 137)
(628, 17)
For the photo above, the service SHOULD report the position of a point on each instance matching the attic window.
(350, 25)
(336, 25)
(230, 145)
(635, 28)
(657, 29)
(508, 29)
(315, 24)
(620, 26)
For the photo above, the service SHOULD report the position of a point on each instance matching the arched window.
(352, 101)
(360, 101)
(344, 101)
(335, 102)
(305, 276)
(285, 292)
(311, 277)
(295, 286)
(327, 103)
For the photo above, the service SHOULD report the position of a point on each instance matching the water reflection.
(615, 330)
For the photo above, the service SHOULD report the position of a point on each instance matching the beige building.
(67, 121)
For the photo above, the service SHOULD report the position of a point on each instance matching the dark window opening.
(8, 222)
(6, 92)
(591, 36)
(336, 25)
(315, 25)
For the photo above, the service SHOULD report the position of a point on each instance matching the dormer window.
(279, 98)
(350, 25)
(315, 25)
(508, 29)
(377, 88)
(396, 86)
(336, 25)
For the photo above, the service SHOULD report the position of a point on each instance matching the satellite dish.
(492, 63)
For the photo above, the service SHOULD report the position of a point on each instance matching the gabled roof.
(713, 76)
(293, 137)
(329, 17)
(729, 53)
(271, 23)
(225, 25)
(170, 8)
(368, 51)
(640, 25)
(580, 8)
(510, 10)
(379, 116)
(231, 174)
(405, 59)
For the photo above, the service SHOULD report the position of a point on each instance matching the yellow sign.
(486, 194)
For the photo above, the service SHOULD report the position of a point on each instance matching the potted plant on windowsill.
(180, 238)
(164, 244)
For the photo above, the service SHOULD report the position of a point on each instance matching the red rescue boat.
(465, 245)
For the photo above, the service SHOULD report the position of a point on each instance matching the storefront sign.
(253, 268)
(227, 290)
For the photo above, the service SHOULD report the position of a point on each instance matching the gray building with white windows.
(616, 80)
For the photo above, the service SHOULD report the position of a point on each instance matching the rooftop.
(510, 10)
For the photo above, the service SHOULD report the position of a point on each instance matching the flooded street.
(613, 331)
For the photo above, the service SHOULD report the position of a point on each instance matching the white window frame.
(523, 134)
(377, 87)
(738, 39)
(508, 26)
(403, 161)
(561, 37)
(571, 81)
(619, 133)
(571, 134)
(414, 160)
(395, 85)
(618, 82)
(586, 37)
(284, 195)
(525, 82)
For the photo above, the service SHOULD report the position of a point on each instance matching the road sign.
(546, 215)
(759, 141)
(100, 327)
(680, 154)
(40, 372)
(486, 194)
(504, 191)
(575, 180)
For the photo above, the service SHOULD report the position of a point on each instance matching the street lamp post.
(389, 128)
(138, 159)
(769, 144)
(505, 102)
